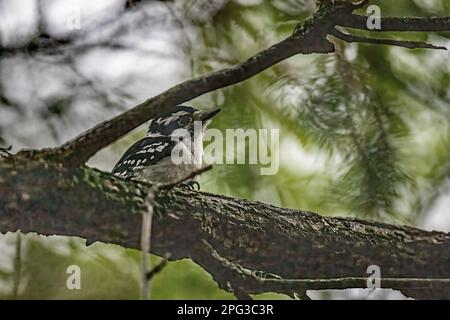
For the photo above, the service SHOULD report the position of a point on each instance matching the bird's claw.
(191, 185)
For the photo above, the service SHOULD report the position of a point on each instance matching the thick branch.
(226, 236)
(275, 244)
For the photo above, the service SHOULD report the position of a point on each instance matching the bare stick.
(399, 43)
(146, 231)
(157, 269)
(397, 24)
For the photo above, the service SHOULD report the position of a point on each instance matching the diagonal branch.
(399, 43)
(308, 37)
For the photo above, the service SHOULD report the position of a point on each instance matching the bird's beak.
(204, 116)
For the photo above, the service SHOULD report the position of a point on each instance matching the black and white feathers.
(151, 158)
(145, 152)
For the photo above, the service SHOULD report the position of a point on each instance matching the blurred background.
(363, 132)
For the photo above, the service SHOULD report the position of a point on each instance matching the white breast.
(166, 171)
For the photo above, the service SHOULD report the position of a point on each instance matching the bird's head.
(182, 117)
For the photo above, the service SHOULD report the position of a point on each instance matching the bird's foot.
(191, 185)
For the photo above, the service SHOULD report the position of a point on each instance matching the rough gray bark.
(228, 237)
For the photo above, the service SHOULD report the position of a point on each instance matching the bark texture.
(245, 245)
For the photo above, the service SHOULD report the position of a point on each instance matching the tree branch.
(248, 247)
(308, 37)
(422, 24)
(399, 43)
(282, 250)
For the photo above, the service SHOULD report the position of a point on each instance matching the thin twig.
(157, 269)
(17, 265)
(399, 43)
(398, 24)
(146, 231)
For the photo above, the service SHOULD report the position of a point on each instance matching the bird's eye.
(183, 121)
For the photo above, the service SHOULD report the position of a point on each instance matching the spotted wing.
(145, 152)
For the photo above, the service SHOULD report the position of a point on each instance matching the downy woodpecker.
(171, 150)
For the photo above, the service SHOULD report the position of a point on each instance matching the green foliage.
(38, 271)
(352, 110)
